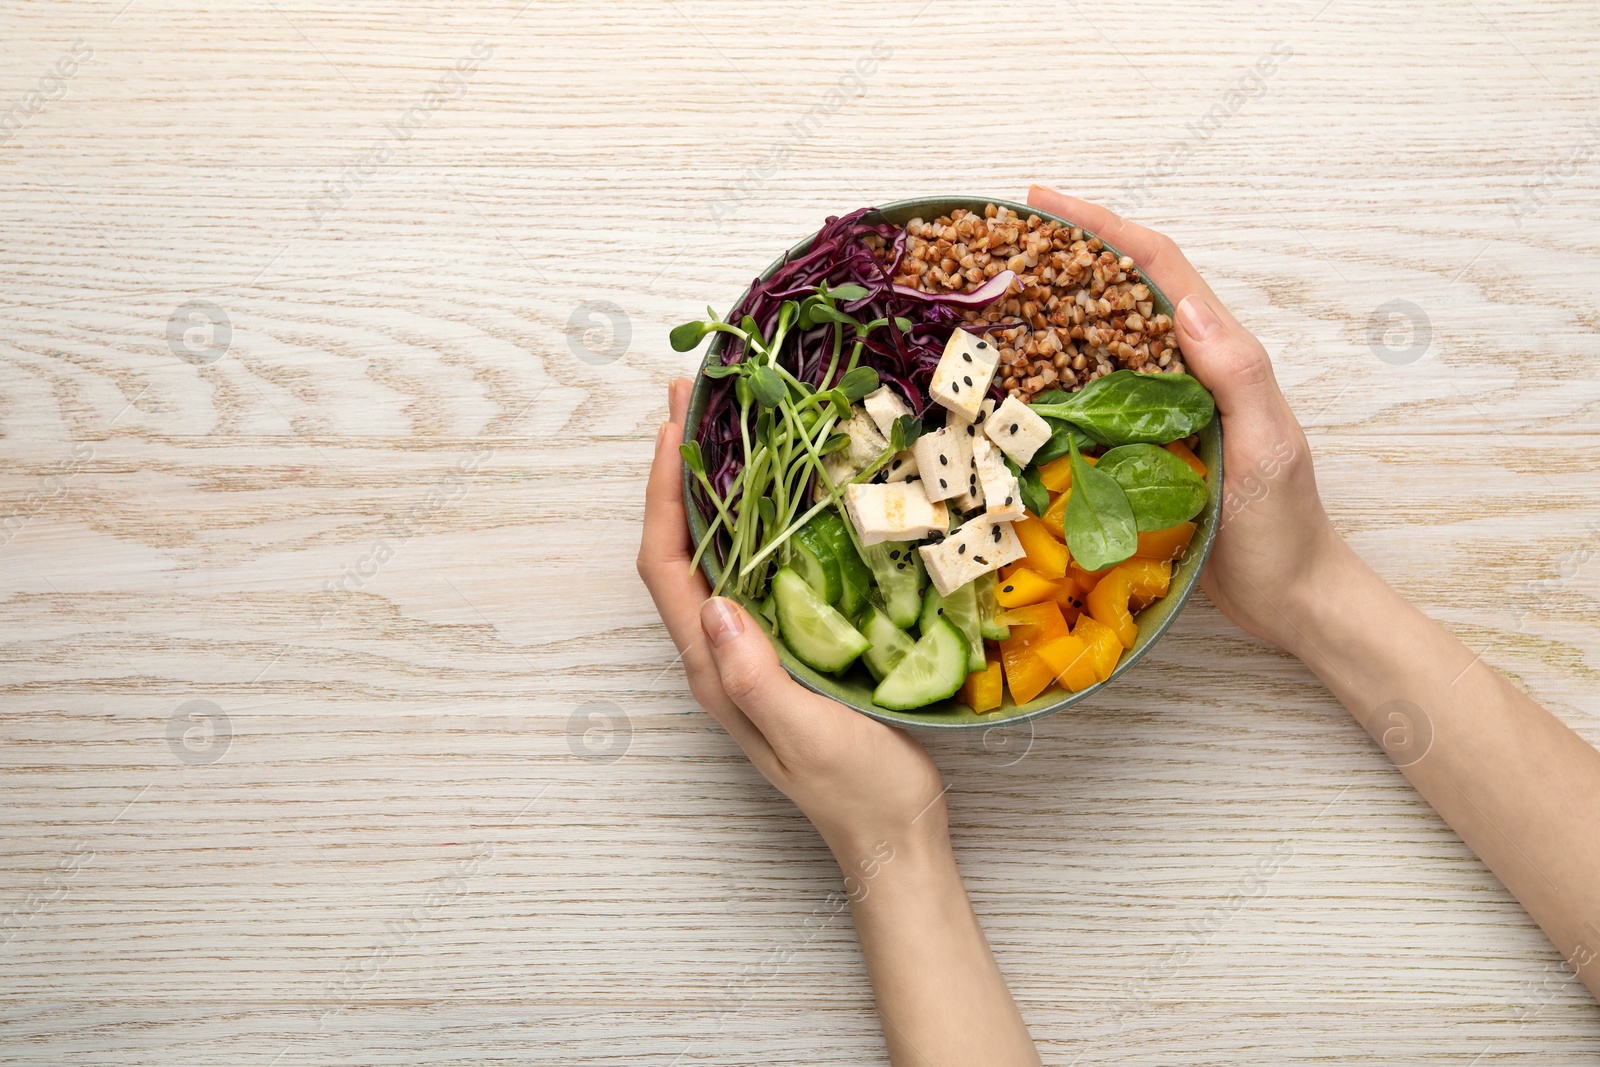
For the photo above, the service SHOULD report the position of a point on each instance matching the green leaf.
(752, 332)
(767, 510)
(1099, 521)
(687, 337)
(834, 443)
(1161, 489)
(1125, 408)
(858, 383)
(904, 432)
(720, 370)
(690, 451)
(1061, 432)
(767, 386)
(1035, 497)
(902, 324)
(847, 293)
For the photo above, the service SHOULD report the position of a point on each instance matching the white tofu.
(975, 549)
(866, 445)
(901, 467)
(1017, 430)
(1002, 496)
(939, 460)
(885, 405)
(964, 372)
(965, 432)
(894, 512)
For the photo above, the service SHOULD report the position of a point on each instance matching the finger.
(666, 530)
(751, 675)
(678, 399)
(1224, 356)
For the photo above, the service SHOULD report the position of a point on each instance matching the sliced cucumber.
(889, 643)
(897, 568)
(988, 610)
(854, 578)
(811, 556)
(932, 671)
(961, 608)
(818, 635)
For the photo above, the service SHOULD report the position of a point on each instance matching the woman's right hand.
(1275, 546)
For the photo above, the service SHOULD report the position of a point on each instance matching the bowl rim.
(1198, 552)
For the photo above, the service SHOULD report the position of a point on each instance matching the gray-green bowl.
(854, 687)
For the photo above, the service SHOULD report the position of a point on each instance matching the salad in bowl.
(948, 453)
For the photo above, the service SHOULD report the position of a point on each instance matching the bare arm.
(870, 790)
(1521, 789)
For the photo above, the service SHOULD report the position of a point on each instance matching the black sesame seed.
(967, 356)
(961, 550)
(954, 388)
(943, 484)
(894, 553)
(981, 560)
(997, 535)
(1008, 589)
(1008, 501)
(1013, 427)
(895, 465)
(971, 432)
(966, 379)
(983, 344)
(944, 461)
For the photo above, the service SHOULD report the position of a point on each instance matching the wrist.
(1321, 603)
(876, 857)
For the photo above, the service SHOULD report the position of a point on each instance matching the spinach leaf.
(1099, 520)
(1125, 407)
(1035, 497)
(1162, 489)
(1061, 432)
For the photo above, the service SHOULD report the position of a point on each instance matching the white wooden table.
(327, 385)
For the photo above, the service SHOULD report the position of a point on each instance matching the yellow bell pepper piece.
(1108, 604)
(1165, 544)
(1024, 587)
(1055, 518)
(1056, 475)
(1148, 578)
(1072, 662)
(1101, 641)
(982, 689)
(1045, 554)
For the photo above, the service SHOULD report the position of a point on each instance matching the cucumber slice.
(818, 635)
(961, 608)
(897, 568)
(889, 643)
(854, 577)
(813, 560)
(932, 671)
(988, 610)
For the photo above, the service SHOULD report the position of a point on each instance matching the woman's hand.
(1275, 545)
(860, 782)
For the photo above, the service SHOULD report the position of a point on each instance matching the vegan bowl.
(948, 453)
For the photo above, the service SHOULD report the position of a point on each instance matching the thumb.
(748, 667)
(1227, 359)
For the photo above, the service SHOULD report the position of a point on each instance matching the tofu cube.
(866, 445)
(962, 377)
(885, 405)
(901, 467)
(894, 512)
(965, 432)
(939, 461)
(975, 549)
(1002, 497)
(1017, 430)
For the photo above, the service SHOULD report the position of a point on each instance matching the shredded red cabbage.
(840, 255)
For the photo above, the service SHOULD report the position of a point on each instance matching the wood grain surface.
(337, 727)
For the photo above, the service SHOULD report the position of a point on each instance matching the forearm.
(1521, 788)
(939, 992)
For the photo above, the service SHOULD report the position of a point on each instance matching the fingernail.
(720, 619)
(1197, 318)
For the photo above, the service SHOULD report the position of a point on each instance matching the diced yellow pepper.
(982, 689)
(1056, 475)
(1024, 587)
(1148, 578)
(1165, 544)
(1045, 554)
(1072, 662)
(1055, 518)
(1108, 604)
(1104, 648)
